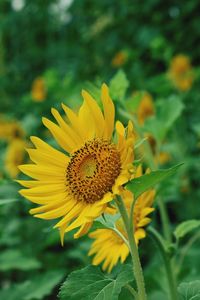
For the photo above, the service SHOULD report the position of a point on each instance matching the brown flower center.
(93, 170)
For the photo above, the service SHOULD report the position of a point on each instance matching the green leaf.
(14, 259)
(91, 284)
(167, 112)
(157, 295)
(118, 85)
(6, 201)
(36, 288)
(189, 290)
(143, 183)
(196, 128)
(8, 190)
(105, 221)
(133, 103)
(154, 126)
(186, 227)
(43, 284)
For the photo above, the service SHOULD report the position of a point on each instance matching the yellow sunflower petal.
(140, 234)
(73, 213)
(35, 183)
(109, 111)
(74, 120)
(60, 136)
(54, 213)
(41, 157)
(144, 222)
(83, 230)
(45, 199)
(44, 147)
(85, 115)
(77, 140)
(42, 172)
(43, 190)
(47, 207)
(146, 211)
(62, 233)
(95, 112)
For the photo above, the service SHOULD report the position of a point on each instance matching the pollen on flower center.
(92, 170)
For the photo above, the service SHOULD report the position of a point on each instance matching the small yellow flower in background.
(108, 246)
(10, 130)
(181, 73)
(145, 108)
(38, 91)
(15, 154)
(162, 158)
(119, 59)
(77, 184)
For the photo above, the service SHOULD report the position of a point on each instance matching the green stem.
(120, 235)
(132, 291)
(165, 220)
(167, 262)
(137, 269)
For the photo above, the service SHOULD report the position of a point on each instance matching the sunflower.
(38, 91)
(163, 158)
(141, 105)
(10, 130)
(181, 72)
(15, 154)
(145, 108)
(107, 239)
(119, 59)
(78, 183)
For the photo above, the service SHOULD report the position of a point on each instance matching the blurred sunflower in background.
(14, 156)
(10, 129)
(181, 72)
(78, 185)
(119, 59)
(107, 239)
(145, 108)
(38, 90)
(13, 134)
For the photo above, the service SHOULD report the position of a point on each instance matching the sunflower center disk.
(93, 170)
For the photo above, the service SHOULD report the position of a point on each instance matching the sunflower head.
(145, 108)
(77, 183)
(180, 72)
(163, 158)
(119, 59)
(108, 246)
(38, 91)
(10, 130)
(15, 154)
(180, 64)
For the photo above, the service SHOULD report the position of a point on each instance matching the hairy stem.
(165, 220)
(137, 269)
(167, 263)
(132, 291)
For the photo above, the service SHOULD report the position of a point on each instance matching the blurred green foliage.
(71, 45)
